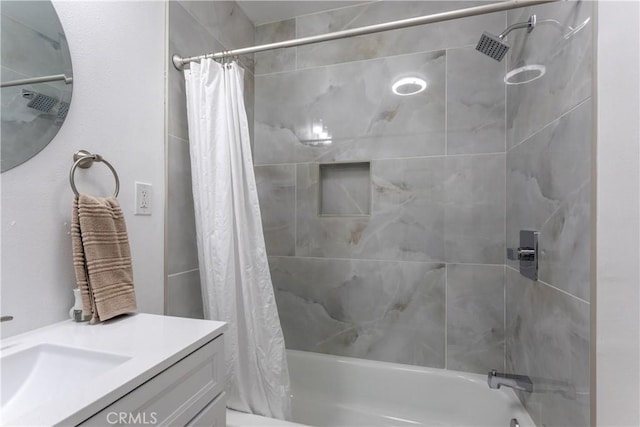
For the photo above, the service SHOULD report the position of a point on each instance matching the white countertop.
(153, 343)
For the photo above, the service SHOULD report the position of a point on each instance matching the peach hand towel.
(102, 258)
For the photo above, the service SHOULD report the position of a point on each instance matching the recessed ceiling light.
(409, 86)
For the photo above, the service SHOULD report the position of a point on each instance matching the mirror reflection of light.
(316, 128)
(317, 135)
(525, 74)
(409, 86)
(573, 31)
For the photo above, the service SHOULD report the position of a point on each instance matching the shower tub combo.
(329, 390)
(341, 391)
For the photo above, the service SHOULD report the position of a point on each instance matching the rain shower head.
(39, 101)
(496, 47)
(63, 109)
(493, 46)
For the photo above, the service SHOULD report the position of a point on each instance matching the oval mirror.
(35, 77)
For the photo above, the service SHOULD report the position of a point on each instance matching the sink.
(42, 372)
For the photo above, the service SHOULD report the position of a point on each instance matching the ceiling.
(263, 12)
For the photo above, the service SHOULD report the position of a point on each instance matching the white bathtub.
(341, 391)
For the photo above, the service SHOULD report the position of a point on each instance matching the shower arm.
(530, 25)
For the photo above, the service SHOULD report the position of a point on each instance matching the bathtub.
(341, 391)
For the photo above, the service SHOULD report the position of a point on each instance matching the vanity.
(140, 369)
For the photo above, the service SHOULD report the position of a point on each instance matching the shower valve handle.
(521, 254)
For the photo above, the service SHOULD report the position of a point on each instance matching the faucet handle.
(521, 254)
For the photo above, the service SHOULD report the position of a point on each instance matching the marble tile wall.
(380, 124)
(420, 280)
(363, 308)
(565, 49)
(549, 141)
(475, 317)
(195, 27)
(452, 34)
(548, 339)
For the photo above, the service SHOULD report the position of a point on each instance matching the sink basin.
(42, 372)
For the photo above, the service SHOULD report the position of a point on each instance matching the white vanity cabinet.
(142, 369)
(188, 393)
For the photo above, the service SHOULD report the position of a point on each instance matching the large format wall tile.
(432, 209)
(565, 242)
(186, 37)
(280, 59)
(475, 317)
(549, 141)
(406, 222)
(545, 172)
(249, 96)
(391, 311)
(276, 192)
(548, 339)
(475, 103)
(461, 32)
(475, 209)
(182, 251)
(184, 296)
(567, 58)
(354, 104)
(227, 22)
(192, 32)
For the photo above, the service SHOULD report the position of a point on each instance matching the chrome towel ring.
(85, 159)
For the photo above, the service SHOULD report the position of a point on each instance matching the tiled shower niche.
(345, 189)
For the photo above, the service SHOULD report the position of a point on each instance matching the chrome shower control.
(514, 423)
(527, 254)
(497, 379)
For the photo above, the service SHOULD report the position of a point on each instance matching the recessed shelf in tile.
(345, 189)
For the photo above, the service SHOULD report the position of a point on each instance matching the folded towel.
(101, 257)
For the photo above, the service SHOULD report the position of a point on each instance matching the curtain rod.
(34, 80)
(180, 62)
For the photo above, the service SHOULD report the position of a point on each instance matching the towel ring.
(85, 159)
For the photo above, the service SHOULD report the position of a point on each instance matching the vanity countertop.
(148, 343)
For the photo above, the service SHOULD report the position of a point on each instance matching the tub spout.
(518, 382)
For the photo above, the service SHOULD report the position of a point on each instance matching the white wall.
(618, 215)
(117, 110)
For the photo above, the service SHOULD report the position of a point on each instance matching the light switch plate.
(143, 198)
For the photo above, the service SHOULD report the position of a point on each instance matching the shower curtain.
(234, 273)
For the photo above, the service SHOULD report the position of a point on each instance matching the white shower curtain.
(236, 283)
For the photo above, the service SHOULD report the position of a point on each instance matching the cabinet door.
(173, 397)
(215, 414)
